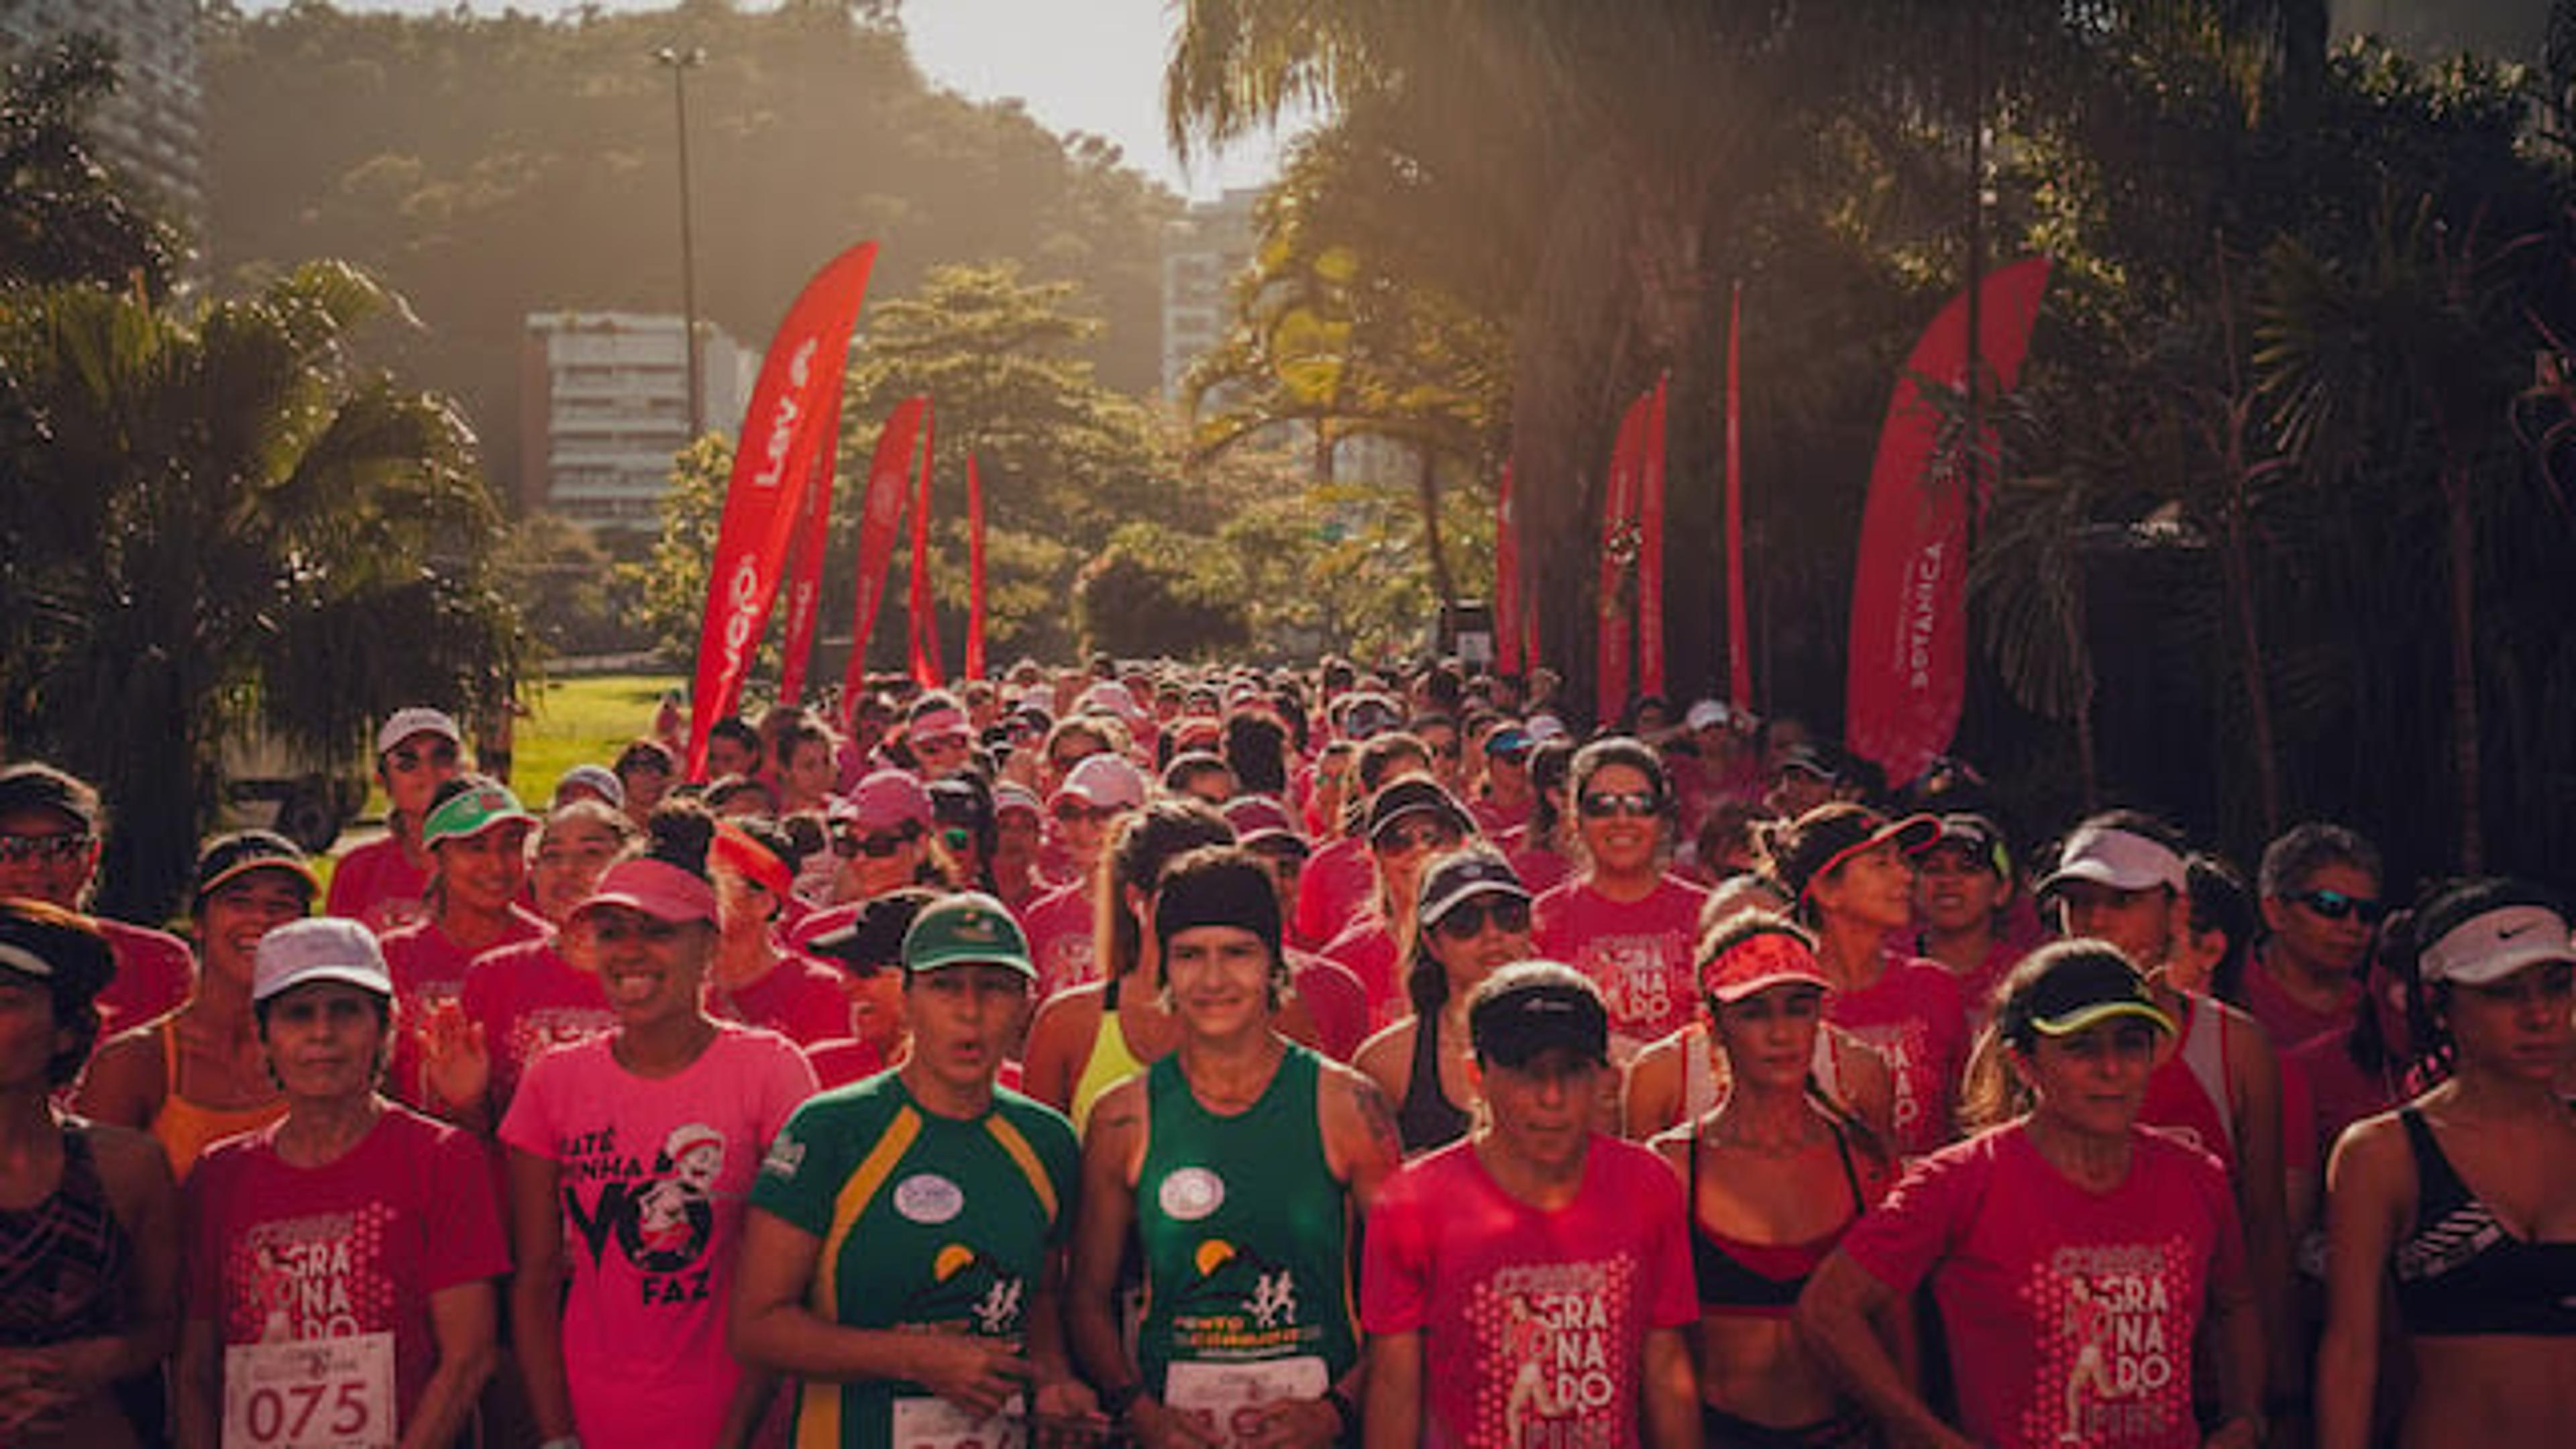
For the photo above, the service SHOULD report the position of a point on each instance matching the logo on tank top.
(926, 1197)
(1191, 1194)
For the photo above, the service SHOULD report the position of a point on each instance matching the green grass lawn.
(571, 722)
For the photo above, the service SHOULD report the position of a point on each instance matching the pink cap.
(657, 888)
(1252, 815)
(1008, 796)
(888, 798)
(1104, 782)
(939, 722)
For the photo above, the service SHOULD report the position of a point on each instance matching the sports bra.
(64, 1262)
(2460, 1273)
(1740, 1279)
(1110, 1061)
(1426, 1118)
(186, 1129)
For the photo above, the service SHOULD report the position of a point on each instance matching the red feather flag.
(880, 518)
(974, 570)
(925, 622)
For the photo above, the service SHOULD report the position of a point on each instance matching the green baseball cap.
(471, 811)
(967, 929)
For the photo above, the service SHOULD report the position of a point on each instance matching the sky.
(1078, 65)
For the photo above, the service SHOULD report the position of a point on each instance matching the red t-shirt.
(1494, 819)
(1541, 870)
(529, 1000)
(1336, 1000)
(1060, 929)
(799, 998)
(2339, 1092)
(2291, 1024)
(1534, 1321)
(2070, 1314)
(429, 969)
(377, 883)
(1638, 952)
(1366, 949)
(351, 1251)
(843, 1061)
(153, 975)
(1333, 890)
(1913, 1015)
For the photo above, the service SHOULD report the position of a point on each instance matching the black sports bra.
(2461, 1273)
(1426, 1118)
(1760, 1280)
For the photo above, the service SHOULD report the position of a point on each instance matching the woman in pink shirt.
(477, 834)
(1623, 919)
(631, 1159)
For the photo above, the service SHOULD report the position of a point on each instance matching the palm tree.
(218, 518)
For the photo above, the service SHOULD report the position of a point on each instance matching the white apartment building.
(149, 130)
(604, 404)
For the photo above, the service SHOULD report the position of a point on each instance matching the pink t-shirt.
(1061, 935)
(377, 883)
(2339, 1092)
(1638, 952)
(1332, 891)
(800, 998)
(1494, 819)
(1541, 870)
(153, 975)
(352, 1250)
(2070, 1313)
(529, 1000)
(429, 970)
(1534, 1321)
(1366, 949)
(1336, 1000)
(655, 1176)
(1913, 1015)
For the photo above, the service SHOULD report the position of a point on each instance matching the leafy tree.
(218, 518)
(61, 218)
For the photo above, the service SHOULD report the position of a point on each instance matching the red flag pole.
(1507, 580)
(1650, 547)
(925, 627)
(771, 470)
(880, 520)
(1739, 656)
(974, 570)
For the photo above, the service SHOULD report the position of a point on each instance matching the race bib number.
(933, 1423)
(319, 1393)
(1226, 1398)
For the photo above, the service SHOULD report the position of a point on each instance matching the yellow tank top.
(1109, 1063)
(185, 1129)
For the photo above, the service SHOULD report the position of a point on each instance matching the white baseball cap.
(322, 948)
(2121, 859)
(402, 724)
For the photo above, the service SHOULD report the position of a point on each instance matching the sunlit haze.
(1079, 65)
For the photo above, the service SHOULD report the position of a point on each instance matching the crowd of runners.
(1220, 1058)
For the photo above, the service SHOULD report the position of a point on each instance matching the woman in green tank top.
(1242, 1163)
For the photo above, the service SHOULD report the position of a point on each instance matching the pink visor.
(658, 889)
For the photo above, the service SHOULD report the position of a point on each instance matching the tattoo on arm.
(1379, 1118)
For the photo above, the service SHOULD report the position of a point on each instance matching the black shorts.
(1722, 1430)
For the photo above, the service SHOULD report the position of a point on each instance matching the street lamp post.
(681, 62)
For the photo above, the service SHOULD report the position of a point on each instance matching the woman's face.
(2094, 1080)
(1620, 820)
(1478, 936)
(1405, 846)
(485, 872)
(324, 1041)
(650, 968)
(571, 856)
(30, 1037)
(875, 861)
(2520, 1026)
(1873, 888)
(876, 1005)
(46, 855)
(811, 770)
(414, 769)
(1218, 979)
(744, 907)
(240, 911)
(1955, 891)
(1770, 1036)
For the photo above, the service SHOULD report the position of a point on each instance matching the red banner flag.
(880, 517)
(1739, 655)
(805, 561)
(1507, 579)
(1650, 547)
(1908, 618)
(974, 570)
(925, 623)
(1617, 603)
(772, 467)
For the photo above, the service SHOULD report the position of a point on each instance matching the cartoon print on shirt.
(660, 1213)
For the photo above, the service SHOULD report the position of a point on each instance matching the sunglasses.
(874, 847)
(1400, 838)
(55, 848)
(406, 761)
(1466, 921)
(2335, 906)
(1073, 814)
(1635, 804)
